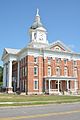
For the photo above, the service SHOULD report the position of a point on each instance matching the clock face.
(41, 36)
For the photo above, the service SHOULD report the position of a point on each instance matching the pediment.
(59, 46)
(4, 53)
(8, 51)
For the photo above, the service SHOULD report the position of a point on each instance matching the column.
(4, 77)
(18, 75)
(10, 77)
(67, 85)
(75, 86)
(45, 85)
(49, 85)
(58, 86)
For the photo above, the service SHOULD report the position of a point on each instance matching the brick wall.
(42, 65)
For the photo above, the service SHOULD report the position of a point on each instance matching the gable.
(59, 46)
(4, 53)
(8, 51)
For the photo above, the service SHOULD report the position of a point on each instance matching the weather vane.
(37, 11)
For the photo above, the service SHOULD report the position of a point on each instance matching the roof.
(12, 51)
(8, 51)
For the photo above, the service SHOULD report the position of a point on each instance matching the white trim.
(60, 78)
(10, 74)
(18, 75)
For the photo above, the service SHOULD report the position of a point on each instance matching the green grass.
(36, 99)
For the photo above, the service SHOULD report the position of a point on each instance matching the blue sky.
(61, 18)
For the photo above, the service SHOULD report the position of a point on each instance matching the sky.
(61, 18)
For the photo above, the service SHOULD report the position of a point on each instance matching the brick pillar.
(78, 66)
(45, 67)
(70, 66)
(62, 68)
(40, 74)
(30, 74)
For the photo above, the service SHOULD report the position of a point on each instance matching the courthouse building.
(41, 67)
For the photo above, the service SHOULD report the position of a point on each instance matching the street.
(42, 112)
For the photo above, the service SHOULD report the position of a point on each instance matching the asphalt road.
(46, 112)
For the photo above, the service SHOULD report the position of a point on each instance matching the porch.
(59, 85)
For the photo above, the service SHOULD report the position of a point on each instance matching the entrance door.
(60, 85)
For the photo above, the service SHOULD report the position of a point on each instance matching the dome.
(37, 23)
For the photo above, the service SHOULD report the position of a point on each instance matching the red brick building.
(41, 67)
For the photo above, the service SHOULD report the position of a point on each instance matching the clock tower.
(38, 34)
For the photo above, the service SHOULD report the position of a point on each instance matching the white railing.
(55, 91)
(51, 91)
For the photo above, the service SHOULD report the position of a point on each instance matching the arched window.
(65, 71)
(58, 71)
(75, 72)
(35, 70)
(49, 71)
(58, 60)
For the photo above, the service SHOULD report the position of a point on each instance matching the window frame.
(74, 62)
(58, 73)
(75, 72)
(65, 68)
(35, 59)
(36, 70)
(49, 68)
(36, 87)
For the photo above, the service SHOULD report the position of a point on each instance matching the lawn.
(36, 99)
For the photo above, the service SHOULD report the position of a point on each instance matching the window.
(35, 59)
(58, 60)
(65, 61)
(57, 48)
(56, 82)
(65, 71)
(49, 60)
(74, 62)
(58, 71)
(35, 70)
(75, 72)
(35, 84)
(49, 71)
(25, 70)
